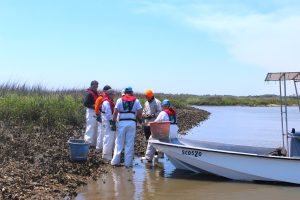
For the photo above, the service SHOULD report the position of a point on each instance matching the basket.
(79, 149)
(160, 130)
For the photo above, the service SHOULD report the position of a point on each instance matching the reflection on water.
(242, 125)
(162, 181)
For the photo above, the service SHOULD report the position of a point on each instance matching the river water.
(255, 126)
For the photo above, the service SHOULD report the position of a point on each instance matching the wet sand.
(35, 162)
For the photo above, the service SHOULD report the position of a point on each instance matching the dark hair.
(107, 87)
(94, 82)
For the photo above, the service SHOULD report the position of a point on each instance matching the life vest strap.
(127, 119)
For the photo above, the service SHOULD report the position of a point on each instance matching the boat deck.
(222, 146)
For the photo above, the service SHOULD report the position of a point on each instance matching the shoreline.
(36, 161)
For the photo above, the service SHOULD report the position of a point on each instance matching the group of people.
(111, 126)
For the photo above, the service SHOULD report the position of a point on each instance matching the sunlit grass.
(22, 105)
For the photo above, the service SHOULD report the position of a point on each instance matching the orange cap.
(149, 93)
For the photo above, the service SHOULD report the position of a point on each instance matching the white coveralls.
(163, 116)
(126, 131)
(100, 133)
(108, 134)
(91, 127)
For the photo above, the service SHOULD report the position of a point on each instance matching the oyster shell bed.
(35, 162)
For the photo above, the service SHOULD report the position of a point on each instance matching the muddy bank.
(35, 162)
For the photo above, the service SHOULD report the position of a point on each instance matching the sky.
(200, 47)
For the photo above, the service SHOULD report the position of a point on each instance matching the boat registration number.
(192, 153)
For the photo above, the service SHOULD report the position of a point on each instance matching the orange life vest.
(98, 103)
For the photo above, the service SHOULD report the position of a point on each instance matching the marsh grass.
(241, 101)
(23, 105)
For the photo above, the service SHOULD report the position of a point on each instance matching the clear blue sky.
(171, 46)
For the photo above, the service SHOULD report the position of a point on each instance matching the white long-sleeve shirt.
(106, 111)
(162, 117)
(151, 108)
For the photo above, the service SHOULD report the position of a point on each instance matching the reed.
(23, 105)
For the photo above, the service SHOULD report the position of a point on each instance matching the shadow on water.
(184, 174)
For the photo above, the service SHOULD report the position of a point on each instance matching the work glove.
(149, 116)
(98, 118)
(140, 121)
(112, 125)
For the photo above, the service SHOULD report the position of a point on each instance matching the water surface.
(257, 126)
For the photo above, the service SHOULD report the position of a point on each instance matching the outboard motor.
(295, 143)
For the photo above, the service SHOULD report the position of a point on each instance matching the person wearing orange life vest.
(127, 110)
(91, 123)
(98, 104)
(167, 114)
(109, 130)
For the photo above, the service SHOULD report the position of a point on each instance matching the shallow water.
(259, 126)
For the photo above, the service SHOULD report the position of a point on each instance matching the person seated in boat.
(167, 114)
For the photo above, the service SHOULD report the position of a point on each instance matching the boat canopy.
(280, 76)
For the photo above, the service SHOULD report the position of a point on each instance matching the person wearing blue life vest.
(127, 112)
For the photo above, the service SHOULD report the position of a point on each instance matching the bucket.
(160, 130)
(79, 149)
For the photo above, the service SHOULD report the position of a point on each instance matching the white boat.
(240, 162)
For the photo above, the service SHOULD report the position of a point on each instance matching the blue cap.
(128, 89)
(165, 102)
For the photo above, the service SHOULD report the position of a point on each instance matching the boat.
(240, 162)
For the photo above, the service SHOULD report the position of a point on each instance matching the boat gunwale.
(158, 142)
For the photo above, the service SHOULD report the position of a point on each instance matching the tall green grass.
(27, 106)
(22, 105)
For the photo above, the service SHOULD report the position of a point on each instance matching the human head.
(166, 103)
(149, 94)
(94, 85)
(106, 87)
(128, 90)
(110, 93)
(123, 92)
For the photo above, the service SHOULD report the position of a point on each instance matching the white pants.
(91, 127)
(126, 131)
(99, 144)
(173, 131)
(150, 151)
(108, 140)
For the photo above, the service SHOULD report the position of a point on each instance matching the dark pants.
(147, 132)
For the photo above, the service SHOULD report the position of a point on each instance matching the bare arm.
(115, 115)
(139, 114)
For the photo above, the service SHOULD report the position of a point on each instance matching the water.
(257, 126)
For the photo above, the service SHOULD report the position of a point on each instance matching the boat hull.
(231, 164)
